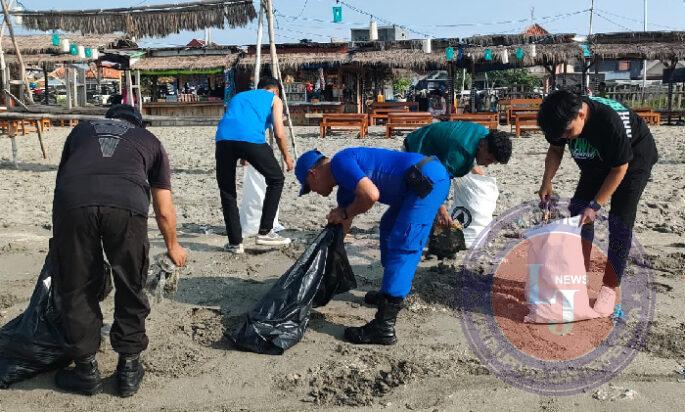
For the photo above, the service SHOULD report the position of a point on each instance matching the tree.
(512, 77)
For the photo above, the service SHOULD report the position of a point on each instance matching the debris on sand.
(359, 384)
(7, 300)
(613, 393)
(163, 276)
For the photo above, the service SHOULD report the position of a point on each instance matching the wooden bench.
(380, 110)
(382, 113)
(529, 120)
(651, 117)
(522, 105)
(489, 120)
(407, 121)
(344, 121)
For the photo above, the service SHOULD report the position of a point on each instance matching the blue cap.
(306, 161)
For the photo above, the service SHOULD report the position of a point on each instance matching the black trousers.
(80, 235)
(622, 214)
(262, 158)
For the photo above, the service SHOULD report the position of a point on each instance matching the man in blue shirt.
(241, 135)
(413, 185)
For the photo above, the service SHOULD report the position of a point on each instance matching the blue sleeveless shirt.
(247, 118)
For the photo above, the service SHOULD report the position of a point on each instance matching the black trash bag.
(32, 343)
(280, 319)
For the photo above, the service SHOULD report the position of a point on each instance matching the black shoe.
(372, 297)
(381, 330)
(130, 374)
(83, 378)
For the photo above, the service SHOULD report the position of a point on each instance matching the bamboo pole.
(260, 33)
(276, 72)
(22, 67)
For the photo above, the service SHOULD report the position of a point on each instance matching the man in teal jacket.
(458, 145)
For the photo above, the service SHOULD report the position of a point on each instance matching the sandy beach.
(190, 367)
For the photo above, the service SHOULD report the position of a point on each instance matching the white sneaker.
(234, 249)
(604, 305)
(272, 239)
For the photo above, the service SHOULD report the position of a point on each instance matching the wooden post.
(670, 89)
(258, 58)
(139, 92)
(46, 93)
(450, 86)
(40, 139)
(276, 72)
(129, 88)
(22, 67)
(67, 83)
(358, 78)
(74, 84)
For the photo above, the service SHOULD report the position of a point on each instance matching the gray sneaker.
(234, 249)
(272, 239)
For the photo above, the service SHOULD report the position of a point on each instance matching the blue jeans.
(404, 231)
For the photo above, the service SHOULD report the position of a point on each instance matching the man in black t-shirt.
(109, 170)
(615, 152)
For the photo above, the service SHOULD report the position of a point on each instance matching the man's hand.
(478, 171)
(337, 216)
(289, 164)
(444, 217)
(588, 216)
(545, 191)
(177, 255)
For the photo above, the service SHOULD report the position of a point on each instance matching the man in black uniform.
(108, 171)
(615, 152)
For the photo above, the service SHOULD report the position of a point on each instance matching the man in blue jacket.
(413, 185)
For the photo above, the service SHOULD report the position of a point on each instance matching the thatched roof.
(192, 62)
(665, 46)
(152, 21)
(42, 43)
(296, 60)
(400, 58)
(517, 39)
(545, 54)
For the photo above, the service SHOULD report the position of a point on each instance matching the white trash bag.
(556, 289)
(254, 191)
(478, 194)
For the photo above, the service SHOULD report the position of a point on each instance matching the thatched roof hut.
(664, 46)
(37, 50)
(297, 55)
(403, 54)
(42, 43)
(186, 64)
(170, 61)
(154, 21)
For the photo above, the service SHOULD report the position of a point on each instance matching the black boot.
(130, 374)
(372, 297)
(83, 378)
(381, 330)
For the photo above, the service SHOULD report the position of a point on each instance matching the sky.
(312, 19)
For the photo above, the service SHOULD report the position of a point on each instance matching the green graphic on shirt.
(611, 103)
(581, 149)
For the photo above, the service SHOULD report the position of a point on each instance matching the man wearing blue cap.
(413, 185)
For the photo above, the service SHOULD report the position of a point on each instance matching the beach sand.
(432, 368)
